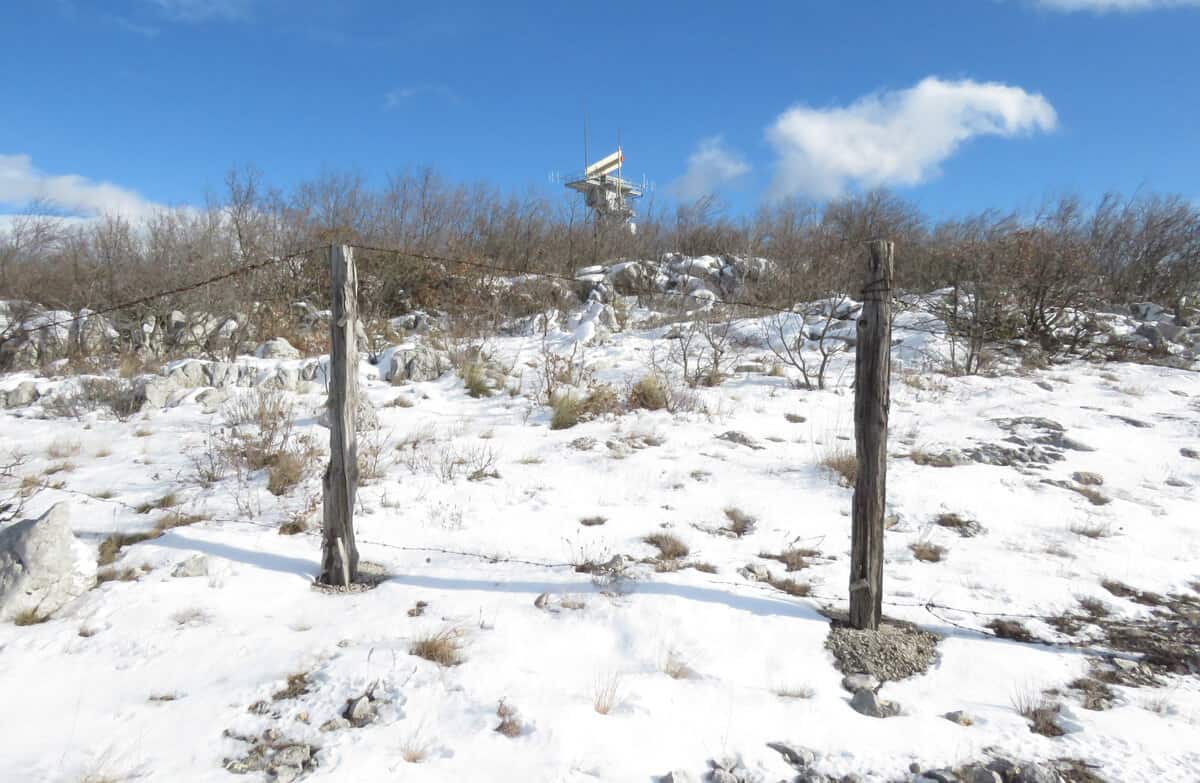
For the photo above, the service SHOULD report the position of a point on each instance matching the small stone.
(583, 444)
(914, 767)
(292, 756)
(1189, 453)
(868, 703)
(799, 758)
(740, 438)
(755, 572)
(1087, 478)
(360, 711)
(860, 682)
(284, 774)
(541, 601)
(940, 776)
(1044, 385)
(196, 565)
(272, 735)
(959, 717)
(977, 774)
(335, 724)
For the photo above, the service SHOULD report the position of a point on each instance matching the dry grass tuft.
(841, 461)
(565, 410)
(1011, 629)
(927, 552)
(30, 617)
(793, 558)
(1096, 694)
(442, 647)
(669, 546)
(795, 692)
(790, 586)
(415, 748)
(116, 575)
(510, 725)
(297, 686)
(740, 523)
(62, 448)
(1093, 606)
(649, 393)
(1092, 529)
(675, 666)
(606, 692)
(168, 500)
(110, 548)
(285, 472)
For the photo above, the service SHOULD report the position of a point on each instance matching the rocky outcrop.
(42, 565)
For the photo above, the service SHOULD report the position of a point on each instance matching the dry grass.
(790, 586)
(669, 546)
(510, 725)
(740, 523)
(62, 448)
(475, 380)
(285, 472)
(442, 647)
(297, 686)
(606, 692)
(168, 500)
(1011, 629)
(110, 548)
(793, 558)
(927, 552)
(1092, 529)
(30, 617)
(795, 691)
(841, 461)
(565, 411)
(674, 665)
(1093, 606)
(1096, 695)
(116, 575)
(415, 748)
(649, 393)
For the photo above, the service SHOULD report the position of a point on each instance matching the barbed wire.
(182, 289)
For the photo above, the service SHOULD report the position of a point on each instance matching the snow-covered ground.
(156, 677)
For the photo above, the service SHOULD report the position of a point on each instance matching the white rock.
(42, 565)
(196, 565)
(277, 348)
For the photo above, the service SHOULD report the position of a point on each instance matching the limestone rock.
(196, 565)
(42, 565)
(868, 703)
(277, 348)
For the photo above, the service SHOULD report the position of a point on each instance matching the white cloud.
(896, 138)
(709, 168)
(204, 10)
(1105, 6)
(21, 183)
(397, 97)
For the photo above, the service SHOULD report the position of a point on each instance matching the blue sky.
(956, 104)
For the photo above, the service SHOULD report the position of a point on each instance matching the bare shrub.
(285, 472)
(258, 429)
(444, 647)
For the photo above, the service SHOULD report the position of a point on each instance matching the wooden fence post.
(339, 555)
(872, 374)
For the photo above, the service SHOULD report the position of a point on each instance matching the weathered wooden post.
(872, 375)
(339, 555)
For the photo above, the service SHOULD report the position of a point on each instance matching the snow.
(77, 705)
